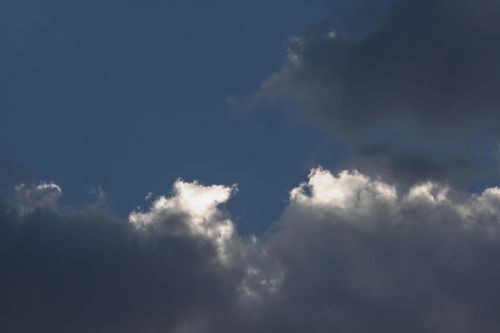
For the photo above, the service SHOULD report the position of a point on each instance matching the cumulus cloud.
(162, 270)
(410, 85)
(200, 206)
(350, 253)
(357, 255)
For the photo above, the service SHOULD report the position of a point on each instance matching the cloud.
(200, 206)
(31, 197)
(409, 85)
(357, 255)
(350, 253)
(65, 269)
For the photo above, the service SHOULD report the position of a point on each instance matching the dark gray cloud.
(349, 254)
(65, 270)
(418, 81)
(360, 257)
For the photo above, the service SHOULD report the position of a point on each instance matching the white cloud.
(200, 206)
(347, 191)
(359, 197)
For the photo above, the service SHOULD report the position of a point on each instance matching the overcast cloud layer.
(410, 85)
(349, 254)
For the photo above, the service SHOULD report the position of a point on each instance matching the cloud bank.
(350, 253)
(410, 85)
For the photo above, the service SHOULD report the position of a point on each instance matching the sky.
(249, 166)
(129, 96)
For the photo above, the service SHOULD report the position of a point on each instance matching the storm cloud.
(350, 253)
(410, 85)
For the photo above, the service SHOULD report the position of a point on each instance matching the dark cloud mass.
(349, 254)
(420, 82)
(91, 272)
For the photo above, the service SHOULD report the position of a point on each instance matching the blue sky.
(130, 95)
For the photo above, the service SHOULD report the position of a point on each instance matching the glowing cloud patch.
(349, 190)
(199, 205)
